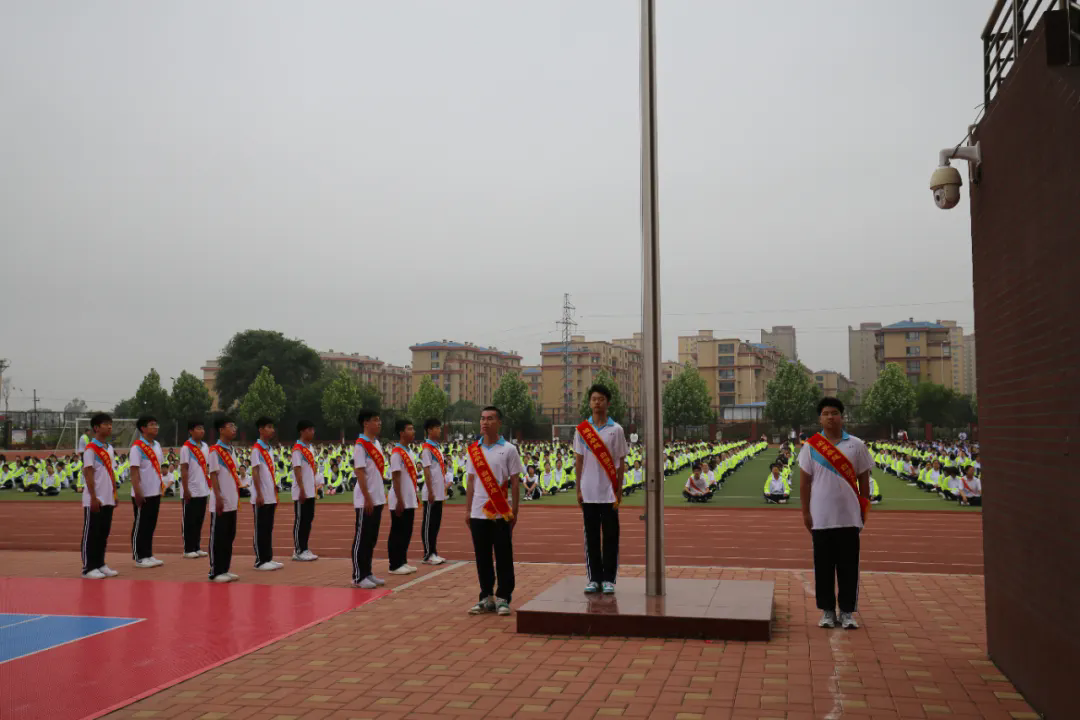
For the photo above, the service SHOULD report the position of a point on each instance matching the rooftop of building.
(915, 325)
(454, 345)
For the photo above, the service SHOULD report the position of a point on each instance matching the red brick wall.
(1025, 229)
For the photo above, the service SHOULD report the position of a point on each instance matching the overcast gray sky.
(368, 175)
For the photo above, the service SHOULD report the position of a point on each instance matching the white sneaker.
(403, 570)
(277, 564)
(377, 580)
(107, 571)
(146, 563)
(848, 622)
(267, 566)
(412, 568)
(94, 575)
(157, 563)
(308, 556)
(202, 553)
(234, 576)
(191, 555)
(828, 619)
(365, 584)
(297, 557)
(436, 560)
(224, 578)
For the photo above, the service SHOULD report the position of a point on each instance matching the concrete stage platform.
(709, 609)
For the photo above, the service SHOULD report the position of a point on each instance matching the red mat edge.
(213, 666)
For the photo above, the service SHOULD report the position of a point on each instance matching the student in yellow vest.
(146, 482)
(776, 487)
(304, 467)
(98, 498)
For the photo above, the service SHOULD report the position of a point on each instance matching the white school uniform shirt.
(408, 493)
(263, 475)
(973, 487)
(833, 504)
(711, 475)
(103, 485)
(776, 484)
(375, 485)
(80, 447)
(594, 484)
(149, 481)
(505, 462)
(637, 476)
(436, 489)
(698, 483)
(230, 498)
(307, 474)
(198, 483)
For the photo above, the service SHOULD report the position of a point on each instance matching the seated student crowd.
(950, 470)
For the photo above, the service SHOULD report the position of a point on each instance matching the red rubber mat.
(165, 633)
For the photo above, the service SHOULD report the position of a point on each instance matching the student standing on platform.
(435, 482)
(403, 491)
(195, 480)
(493, 466)
(264, 495)
(98, 498)
(599, 465)
(303, 491)
(146, 489)
(834, 487)
(369, 497)
(224, 499)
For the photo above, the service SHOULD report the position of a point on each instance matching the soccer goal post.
(123, 433)
(563, 433)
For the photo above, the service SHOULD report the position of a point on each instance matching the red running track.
(898, 541)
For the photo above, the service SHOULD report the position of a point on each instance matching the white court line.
(31, 618)
(430, 575)
(73, 640)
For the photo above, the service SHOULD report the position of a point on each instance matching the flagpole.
(650, 237)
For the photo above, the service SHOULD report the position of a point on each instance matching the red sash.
(194, 450)
(152, 456)
(103, 456)
(438, 456)
(268, 462)
(375, 455)
(227, 459)
(307, 455)
(599, 449)
(409, 467)
(842, 465)
(497, 504)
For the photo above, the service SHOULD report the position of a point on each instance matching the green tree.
(190, 400)
(151, 398)
(125, 409)
(617, 409)
(264, 397)
(891, 399)
(342, 401)
(791, 397)
(686, 400)
(962, 411)
(76, 406)
(429, 402)
(513, 399)
(292, 363)
(933, 403)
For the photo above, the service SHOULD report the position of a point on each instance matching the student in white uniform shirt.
(490, 520)
(304, 467)
(195, 487)
(369, 497)
(403, 476)
(146, 482)
(264, 496)
(970, 490)
(776, 490)
(224, 500)
(435, 484)
(598, 494)
(833, 514)
(98, 498)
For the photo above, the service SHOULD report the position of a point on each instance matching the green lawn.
(743, 489)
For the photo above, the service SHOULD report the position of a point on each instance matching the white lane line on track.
(430, 575)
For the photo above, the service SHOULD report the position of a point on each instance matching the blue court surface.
(22, 635)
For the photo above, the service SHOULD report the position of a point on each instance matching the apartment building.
(587, 358)
(735, 371)
(831, 383)
(781, 337)
(463, 370)
(862, 363)
(392, 381)
(534, 378)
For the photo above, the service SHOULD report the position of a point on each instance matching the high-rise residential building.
(923, 349)
(831, 383)
(209, 378)
(463, 370)
(862, 363)
(781, 337)
(668, 370)
(735, 371)
(533, 376)
(957, 380)
(587, 358)
(636, 342)
(392, 381)
(969, 364)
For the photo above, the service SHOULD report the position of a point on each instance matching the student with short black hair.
(195, 485)
(224, 500)
(147, 485)
(264, 496)
(303, 491)
(776, 490)
(403, 499)
(970, 489)
(369, 497)
(696, 489)
(98, 498)
(435, 487)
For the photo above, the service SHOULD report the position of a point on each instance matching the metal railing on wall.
(1010, 25)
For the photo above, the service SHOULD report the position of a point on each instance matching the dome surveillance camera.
(945, 182)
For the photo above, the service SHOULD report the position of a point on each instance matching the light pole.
(650, 250)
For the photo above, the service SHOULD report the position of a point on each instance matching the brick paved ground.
(416, 654)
